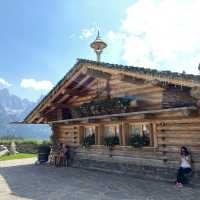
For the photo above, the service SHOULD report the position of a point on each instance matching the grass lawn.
(17, 156)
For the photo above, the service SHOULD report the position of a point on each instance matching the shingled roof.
(132, 69)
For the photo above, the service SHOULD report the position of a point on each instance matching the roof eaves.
(57, 86)
(140, 70)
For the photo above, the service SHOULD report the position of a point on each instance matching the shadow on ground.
(41, 182)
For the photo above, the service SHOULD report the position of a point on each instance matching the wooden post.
(123, 134)
(96, 135)
(155, 138)
(100, 134)
(81, 135)
(59, 114)
(126, 133)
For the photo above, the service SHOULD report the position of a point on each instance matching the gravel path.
(21, 179)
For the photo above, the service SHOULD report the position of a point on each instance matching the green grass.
(17, 156)
(24, 141)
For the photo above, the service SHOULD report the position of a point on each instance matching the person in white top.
(185, 166)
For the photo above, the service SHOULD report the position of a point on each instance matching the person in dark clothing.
(66, 155)
(185, 166)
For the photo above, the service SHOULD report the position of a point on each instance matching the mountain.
(13, 108)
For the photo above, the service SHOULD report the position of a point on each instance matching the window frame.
(140, 125)
(94, 129)
(115, 132)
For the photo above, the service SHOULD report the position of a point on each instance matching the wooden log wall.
(67, 134)
(168, 137)
(172, 135)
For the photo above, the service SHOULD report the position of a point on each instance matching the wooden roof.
(81, 73)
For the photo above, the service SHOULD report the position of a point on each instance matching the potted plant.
(89, 140)
(139, 141)
(110, 141)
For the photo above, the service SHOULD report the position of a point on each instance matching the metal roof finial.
(98, 45)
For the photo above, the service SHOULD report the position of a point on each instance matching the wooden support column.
(126, 135)
(96, 135)
(59, 114)
(81, 135)
(100, 134)
(123, 134)
(155, 138)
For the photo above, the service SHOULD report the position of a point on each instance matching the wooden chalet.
(108, 100)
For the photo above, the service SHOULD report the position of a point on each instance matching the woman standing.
(185, 166)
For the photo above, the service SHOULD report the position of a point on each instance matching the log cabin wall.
(172, 135)
(67, 134)
(168, 136)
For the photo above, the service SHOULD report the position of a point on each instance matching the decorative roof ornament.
(98, 45)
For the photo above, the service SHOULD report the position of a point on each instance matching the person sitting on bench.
(185, 166)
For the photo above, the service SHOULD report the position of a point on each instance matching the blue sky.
(40, 40)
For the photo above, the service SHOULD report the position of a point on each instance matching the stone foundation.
(128, 169)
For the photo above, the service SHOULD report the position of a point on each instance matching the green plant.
(139, 141)
(17, 156)
(111, 141)
(89, 140)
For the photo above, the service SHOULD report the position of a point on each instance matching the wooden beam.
(98, 74)
(40, 120)
(76, 87)
(60, 105)
(127, 114)
(85, 82)
(75, 92)
(187, 83)
(59, 90)
(154, 82)
(130, 79)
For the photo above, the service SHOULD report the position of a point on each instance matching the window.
(112, 131)
(89, 131)
(141, 133)
(89, 135)
(134, 131)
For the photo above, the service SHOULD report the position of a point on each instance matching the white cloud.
(112, 36)
(86, 33)
(36, 85)
(4, 83)
(162, 33)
